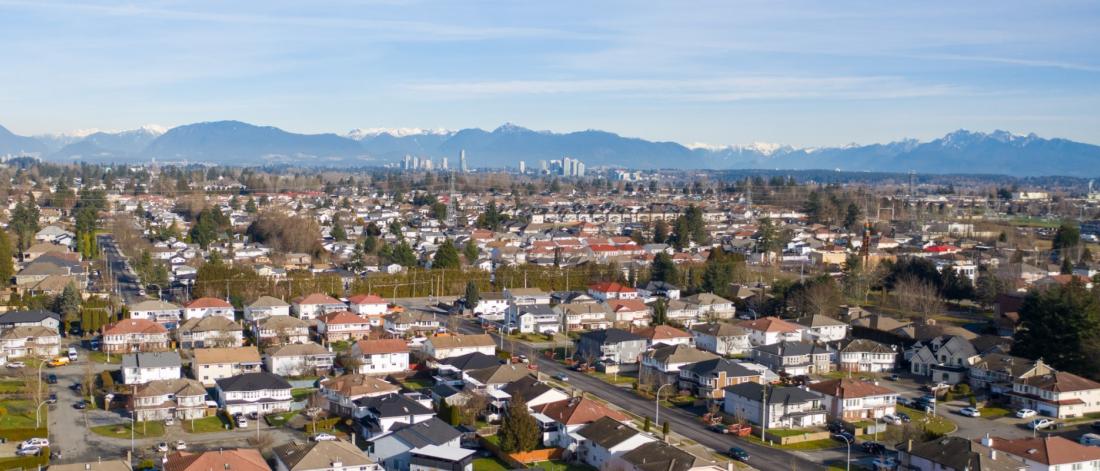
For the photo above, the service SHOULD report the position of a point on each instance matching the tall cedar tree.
(7, 264)
(663, 269)
(471, 251)
(473, 296)
(1061, 325)
(519, 431)
(446, 256)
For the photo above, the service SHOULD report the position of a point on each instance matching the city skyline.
(794, 73)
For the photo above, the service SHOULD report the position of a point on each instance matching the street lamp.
(657, 404)
(37, 411)
(848, 462)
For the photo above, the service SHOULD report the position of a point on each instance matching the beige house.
(212, 364)
(160, 399)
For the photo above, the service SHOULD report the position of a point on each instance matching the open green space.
(204, 425)
(141, 430)
(19, 413)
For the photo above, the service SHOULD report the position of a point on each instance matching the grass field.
(937, 424)
(100, 357)
(994, 412)
(300, 394)
(204, 425)
(19, 413)
(141, 430)
(489, 464)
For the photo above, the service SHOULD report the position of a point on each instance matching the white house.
(212, 364)
(721, 338)
(139, 368)
(491, 306)
(297, 359)
(164, 313)
(206, 307)
(822, 329)
(854, 400)
(381, 356)
(607, 438)
(262, 393)
(788, 407)
(448, 346)
(316, 304)
(537, 318)
(1047, 453)
(867, 356)
(264, 307)
(772, 330)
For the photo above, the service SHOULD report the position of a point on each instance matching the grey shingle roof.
(151, 360)
(429, 432)
(253, 382)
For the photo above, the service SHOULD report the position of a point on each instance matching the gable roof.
(393, 405)
(499, 374)
(316, 298)
(770, 324)
(445, 342)
(24, 317)
(578, 410)
(1050, 450)
(241, 459)
(209, 324)
(298, 349)
(776, 394)
(154, 305)
(865, 345)
(662, 332)
(366, 299)
(299, 456)
(151, 360)
(253, 382)
(719, 329)
(342, 317)
(354, 384)
(1061, 381)
(471, 361)
(660, 456)
(611, 336)
(207, 303)
(226, 355)
(679, 353)
(134, 326)
(733, 369)
(268, 301)
(607, 432)
(380, 346)
(960, 453)
(845, 388)
(429, 432)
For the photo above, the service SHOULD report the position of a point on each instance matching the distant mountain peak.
(366, 133)
(762, 148)
(510, 127)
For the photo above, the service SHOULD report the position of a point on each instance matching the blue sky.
(723, 72)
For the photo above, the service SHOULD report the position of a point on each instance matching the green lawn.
(804, 446)
(299, 394)
(416, 384)
(10, 386)
(204, 425)
(560, 466)
(788, 432)
(614, 379)
(141, 430)
(994, 412)
(938, 424)
(489, 464)
(280, 419)
(19, 413)
(100, 357)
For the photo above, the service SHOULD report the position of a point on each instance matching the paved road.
(125, 280)
(681, 422)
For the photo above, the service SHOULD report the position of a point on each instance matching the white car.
(1040, 423)
(181, 445)
(170, 421)
(970, 412)
(1026, 413)
(161, 447)
(34, 443)
(17, 364)
(891, 419)
(324, 437)
(28, 451)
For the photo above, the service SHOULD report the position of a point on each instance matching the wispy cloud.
(718, 89)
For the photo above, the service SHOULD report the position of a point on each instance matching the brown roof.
(240, 459)
(457, 341)
(177, 387)
(662, 332)
(770, 324)
(209, 324)
(342, 317)
(204, 303)
(849, 388)
(227, 355)
(629, 305)
(321, 455)
(576, 411)
(354, 384)
(369, 347)
(317, 298)
(1061, 381)
(1050, 450)
(366, 299)
(134, 326)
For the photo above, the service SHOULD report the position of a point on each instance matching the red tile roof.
(611, 287)
(770, 324)
(850, 388)
(367, 299)
(1050, 450)
(577, 411)
(206, 303)
(317, 298)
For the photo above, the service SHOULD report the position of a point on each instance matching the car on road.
(72, 354)
(52, 399)
(904, 417)
(1026, 413)
(59, 361)
(242, 421)
(80, 405)
(51, 379)
(893, 377)
(28, 451)
(16, 365)
(738, 454)
(970, 412)
(927, 398)
(883, 463)
(844, 437)
(161, 447)
(324, 437)
(181, 445)
(1040, 423)
(34, 443)
(561, 377)
(874, 448)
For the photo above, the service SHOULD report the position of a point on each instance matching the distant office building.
(522, 167)
(443, 164)
(462, 161)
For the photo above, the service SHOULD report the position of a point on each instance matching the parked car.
(161, 447)
(170, 421)
(242, 422)
(181, 445)
(80, 405)
(927, 398)
(904, 417)
(1095, 425)
(34, 443)
(893, 377)
(738, 454)
(52, 399)
(873, 448)
(1040, 423)
(844, 437)
(51, 378)
(16, 365)
(970, 412)
(884, 463)
(1026, 413)
(892, 419)
(561, 377)
(904, 401)
(324, 437)
(28, 451)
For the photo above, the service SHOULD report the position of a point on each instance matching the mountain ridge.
(231, 142)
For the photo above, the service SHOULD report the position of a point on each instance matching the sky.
(715, 72)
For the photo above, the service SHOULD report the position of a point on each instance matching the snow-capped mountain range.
(238, 143)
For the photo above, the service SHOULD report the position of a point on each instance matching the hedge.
(27, 462)
(20, 434)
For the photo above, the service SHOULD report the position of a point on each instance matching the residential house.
(526, 296)
(1056, 394)
(659, 289)
(1047, 453)
(333, 455)
(954, 454)
(412, 322)
(795, 358)
(662, 365)
(610, 290)
(240, 459)
(771, 330)
(584, 316)
(280, 330)
(98, 465)
(179, 398)
(944, 359)
(382, 413)
(535, 318)
(211, 364)
(560, 420)
(823, 329)
(606, 439)
(866, 356)
(381, 356)
(709, 378)
(660, 456)
(854, 400)
(616, 346)
(787, 407)
(134, 335)
(534, 392)
(494, 377)
(710, 307)
(721, 338)
(370, 306)
(298, 359)
(161, 312)
(29, 342)
(491, 306)
(664, 335)
(394, 450)
(342, 325)
(629, 312)
(207, 307)
(996, 372)
(263, 393)
(143, 367)
(210, 332)
(438, 458)
(265, 307)
(37, 317)
(446, 346)
(342, 392)
(314, 305)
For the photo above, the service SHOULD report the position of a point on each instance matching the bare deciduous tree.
(917, 296)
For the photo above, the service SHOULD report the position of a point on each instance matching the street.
(124, 281)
